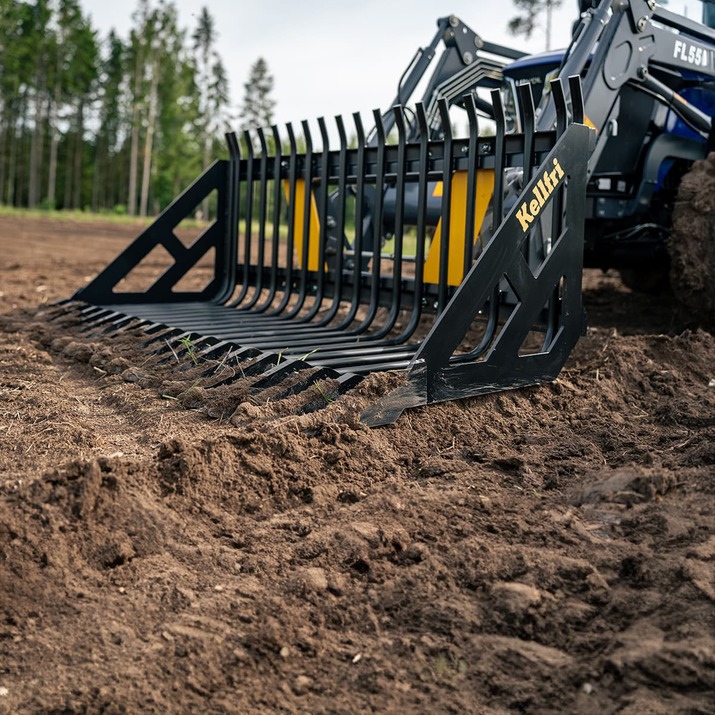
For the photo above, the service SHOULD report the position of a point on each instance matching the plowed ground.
(169, 549)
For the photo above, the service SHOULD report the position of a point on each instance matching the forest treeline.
(109, 123)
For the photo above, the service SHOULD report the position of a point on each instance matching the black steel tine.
(262, 209)
(471, 208)
(359, 215)
(248, 218)
(443, 286)
(380, 140)
(557, 91)
(340, 222)
(273, 288)
(233, 201)
(417, 300)
(499, 158)
(317, 374)
(577, 102)
(323, 209)
(284, 367)
(290, 243)
(309, 178)
(526, 114)
(399, 228)
(292, 228)
(307, 199)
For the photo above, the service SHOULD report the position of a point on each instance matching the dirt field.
(169, 549)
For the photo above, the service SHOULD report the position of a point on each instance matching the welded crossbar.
(342, 258)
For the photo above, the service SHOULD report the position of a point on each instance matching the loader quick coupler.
(326, 262)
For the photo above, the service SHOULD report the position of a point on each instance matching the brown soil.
(692, 244)
(169, 547)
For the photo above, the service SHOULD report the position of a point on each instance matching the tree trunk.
(54, 145)
(134, 151)
(11, 164)
(3, 149)
(207, 158)
(133, 163)
(36, 146)
(68, 172)
(98, 179)
(78, 155)
(149, 142)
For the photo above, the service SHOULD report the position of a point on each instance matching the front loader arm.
(624, 42)
(459, 69)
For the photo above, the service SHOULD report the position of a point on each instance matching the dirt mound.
(692, 243)
(172, 540)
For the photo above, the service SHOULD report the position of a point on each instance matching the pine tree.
(213, 90)
(106, 169)
(258, 105)
(526, 23)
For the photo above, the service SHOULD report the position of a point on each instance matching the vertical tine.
(557, 91)
(323, 208)
(248, 139)
(471, 107)
(359, 211)
(308, 194)
(423, 129)
(577, 104)
(310, 179)
(443, 287)
(292, 183)
(499, 158)
(553, 317)
(340, 222)
(233, 202)
(262, 209)
(400, 179)
(308, 176)
(378, 214)
(526, 114)
(275, 217)
(285, 300)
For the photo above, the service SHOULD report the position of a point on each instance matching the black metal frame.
(294, 288)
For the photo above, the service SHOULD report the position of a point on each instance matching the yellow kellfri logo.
(545, 186)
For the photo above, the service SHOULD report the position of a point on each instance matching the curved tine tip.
(359, 128)
(379, 126)
(307, 136)
(421, 118)
(340, 124)
(470, 104)
(291, 137)
(526, 97)
(577, 108)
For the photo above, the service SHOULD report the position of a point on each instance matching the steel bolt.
(467, 58)
(642, 24)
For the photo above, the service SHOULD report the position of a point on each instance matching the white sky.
(331, 57)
